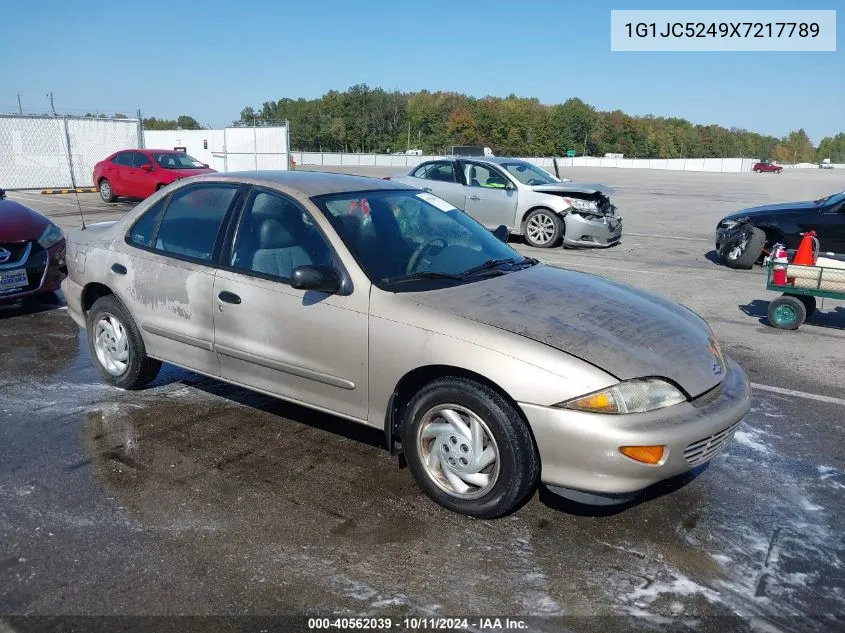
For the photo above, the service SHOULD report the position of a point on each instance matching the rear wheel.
(543, 228)
(116, 346)
(106, 192)
(469, 449)
(745, 248)
(787, 313)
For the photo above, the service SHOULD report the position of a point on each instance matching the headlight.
(582, 205)
(728, 224)
(631, 396)
(50, 237)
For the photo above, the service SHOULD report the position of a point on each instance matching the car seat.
(280, 250)
(473, 177)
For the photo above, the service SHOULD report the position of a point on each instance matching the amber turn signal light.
(644, 454)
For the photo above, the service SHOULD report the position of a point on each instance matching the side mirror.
(509, 186)
(318, 278)
(204, 165)
(147, 167)
(501, 233)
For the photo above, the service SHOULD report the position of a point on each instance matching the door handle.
(229, 297)
(118, 269)
(474, 197)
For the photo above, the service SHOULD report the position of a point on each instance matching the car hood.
(774, 209)
(19, 223)
(627, 332)
(575, 187)
(187, 173)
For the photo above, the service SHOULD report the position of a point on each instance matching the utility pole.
(409, 133)
(52, 107)
(585, 142)
(20, 107)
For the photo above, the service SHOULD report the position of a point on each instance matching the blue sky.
(211, 58)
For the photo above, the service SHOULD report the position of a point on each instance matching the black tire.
(809, 302)
(518, 461)
(786, 313)
(106, 191)
(547, 218)
(140, 368)
(745, 248)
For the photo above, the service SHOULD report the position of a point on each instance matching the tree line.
(364, 119)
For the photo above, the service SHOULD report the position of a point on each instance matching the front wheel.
(543, 228)
(469, 449)
(787, 313)
(745, 248)
(116, 346)
(106, 192)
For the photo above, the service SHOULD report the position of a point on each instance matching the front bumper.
(591, 231)
(45, 270)
(580, 450)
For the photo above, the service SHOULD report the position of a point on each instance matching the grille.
(706, 448)
(17, 249)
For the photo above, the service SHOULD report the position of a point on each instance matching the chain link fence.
(38, 152)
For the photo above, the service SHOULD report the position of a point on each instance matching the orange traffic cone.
(808, 250)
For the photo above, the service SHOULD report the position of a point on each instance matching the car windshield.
(410, 236)
(529, 174)
(177, 160)
(833, 198)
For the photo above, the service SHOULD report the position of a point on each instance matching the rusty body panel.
(627, 332)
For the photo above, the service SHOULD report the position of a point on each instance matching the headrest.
(274, 234)
(472, 172)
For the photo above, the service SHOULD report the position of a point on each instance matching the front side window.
(193, 218)
(143, 231)
(528, 174)
(274, 236)
(177, 160)
(479, 175)
(396, 235)
(141, 159)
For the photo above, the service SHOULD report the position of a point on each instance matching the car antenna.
(81, 215)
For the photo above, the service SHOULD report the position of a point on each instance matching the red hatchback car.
(767, 167)
(138, 173)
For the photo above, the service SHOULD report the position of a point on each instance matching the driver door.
(306, 346)
(488, 198)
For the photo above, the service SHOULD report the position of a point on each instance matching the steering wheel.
(534, 181)
(418, 253)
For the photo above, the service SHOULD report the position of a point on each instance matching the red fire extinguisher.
(779, 264)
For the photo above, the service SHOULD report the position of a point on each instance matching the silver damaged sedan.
(389, 307)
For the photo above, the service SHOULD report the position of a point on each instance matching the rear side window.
(124, 158)
(143, 231)
(193, 218)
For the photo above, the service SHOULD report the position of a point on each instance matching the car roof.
(496, 160)
(309, 183)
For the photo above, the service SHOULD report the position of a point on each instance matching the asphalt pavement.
(194, 497)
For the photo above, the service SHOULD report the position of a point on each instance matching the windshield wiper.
(491, 264)
(420, 274)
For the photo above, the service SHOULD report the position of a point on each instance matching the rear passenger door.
(306, 346)
(118, 171)
(163, 272)
(440, 178)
